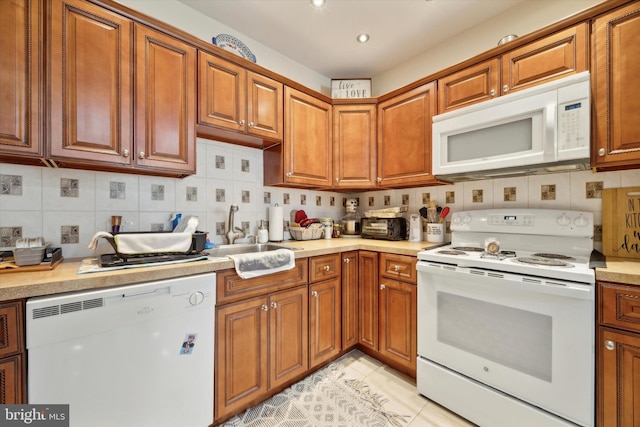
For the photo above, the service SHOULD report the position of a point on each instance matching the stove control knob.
(467, 219)
(563, 220)
(581, 221)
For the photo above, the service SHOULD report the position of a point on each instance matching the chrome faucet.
(233, 232)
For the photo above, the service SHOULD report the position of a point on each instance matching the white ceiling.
(325, 39)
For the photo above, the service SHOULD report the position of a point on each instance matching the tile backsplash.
(67, 207)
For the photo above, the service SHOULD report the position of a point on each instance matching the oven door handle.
(528, 283)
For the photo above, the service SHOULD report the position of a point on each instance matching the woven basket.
(301, 233)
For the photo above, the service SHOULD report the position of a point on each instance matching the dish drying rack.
(395, 212)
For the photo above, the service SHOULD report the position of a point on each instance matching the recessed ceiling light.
(363, 38)
(318, 3)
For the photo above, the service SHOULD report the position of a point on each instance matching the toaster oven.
(384, 228)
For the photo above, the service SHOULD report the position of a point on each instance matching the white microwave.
(538, 130)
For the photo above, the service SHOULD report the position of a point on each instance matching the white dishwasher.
(139, 355)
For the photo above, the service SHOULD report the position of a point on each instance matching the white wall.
(522, 19)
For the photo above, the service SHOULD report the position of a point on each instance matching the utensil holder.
(435, 232)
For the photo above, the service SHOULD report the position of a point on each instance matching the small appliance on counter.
(415, 228)
(350, 223)
(384, 228)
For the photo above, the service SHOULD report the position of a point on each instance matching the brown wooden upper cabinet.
(550, 58)
(233, 98)
(404, 138)
(354, 146)
(616, 61)
(21, 85)
(304, 159)
(91, 90)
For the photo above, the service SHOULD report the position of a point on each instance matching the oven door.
(528, 337)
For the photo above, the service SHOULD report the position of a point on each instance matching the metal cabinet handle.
(347, 260)
(396, 268)
(505, 88)
(378, 179)
(289, 174)
(601, 152)
(314, 293)
(251, 124)
(264, 307)
(326, 268)
(274, 304)
(337, 179)
(242, 122)
(141, 155)
(609, 345)
(125, 153)
(383, 287)
(493, 92)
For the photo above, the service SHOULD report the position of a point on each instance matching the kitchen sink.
(246, 248)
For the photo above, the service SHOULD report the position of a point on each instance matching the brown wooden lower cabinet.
(618, 355)
(398, 319)
(260, 344)
(325, 321)
(349, 299)
(12, 358)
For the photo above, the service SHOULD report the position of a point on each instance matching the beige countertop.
(64, 278)
(620, 270)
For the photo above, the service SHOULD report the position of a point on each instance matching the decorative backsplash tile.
(387, 200)
(406, 200)
(157, 227)
(9, 235)
(450, 197)
(597, 233)
(318, 200)
(245, 226)
(69, 234)
(426, 198)
(332, 201)
(69, 187)
(192, 194)
(303, 199)
(478, 196)
(371, 201)
(157, 192)
(220, 162)
(246, 196)
(220, 195)
(117, 190)
(594, 190)
(11, 185)
(245, 165)
(548, 192)
(220, 228)
(285, 198)
(509, 194)
(267, 198)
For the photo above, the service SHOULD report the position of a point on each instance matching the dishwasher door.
(139, 355)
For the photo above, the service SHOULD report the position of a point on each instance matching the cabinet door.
(475, 84)
(90, 88)
(349, 299)
(404, 138)
(241, 349)
(400, 267)
(616, 62)
(324, 267)
(222, 92)
(165, 103)
(398, 318)
(11, 328)
(21, 83)
(288, 335)
(368, 299)
(619, 389)
(325, 327)
(354, 146)
(12, 379)
(307, 150)
(559, 55)
(265, 105)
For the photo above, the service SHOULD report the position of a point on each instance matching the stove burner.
(453, 251)
(468, 249)
(546, 262)
(499, 256)
(554, 256)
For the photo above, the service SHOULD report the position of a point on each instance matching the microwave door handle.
(550, 124)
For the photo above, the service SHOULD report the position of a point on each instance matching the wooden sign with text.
(351, 88)
(621, 222)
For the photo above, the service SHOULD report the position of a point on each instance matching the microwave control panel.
(573, 118)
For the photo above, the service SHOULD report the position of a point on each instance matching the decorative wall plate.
(232, 44)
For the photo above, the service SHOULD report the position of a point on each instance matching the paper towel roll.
(276, 224)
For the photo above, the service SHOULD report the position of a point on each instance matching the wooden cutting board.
(621, 222)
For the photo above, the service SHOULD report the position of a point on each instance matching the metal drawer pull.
(383, 287)
(347, 260)
(264, 307)
(314, 293)
(609, 345)
(326, 268)
(396, 268)
(125, 153)
(274, 305)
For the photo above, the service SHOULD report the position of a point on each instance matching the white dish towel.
(262, 263)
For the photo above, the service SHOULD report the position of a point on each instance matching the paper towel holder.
(276, 224)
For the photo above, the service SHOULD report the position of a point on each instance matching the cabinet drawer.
(399, 267)
(620, 306)
(231, 287)
(324, 267)
(11, 328)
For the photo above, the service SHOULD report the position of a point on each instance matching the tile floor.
(401, 392)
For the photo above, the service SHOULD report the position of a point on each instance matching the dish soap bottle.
(263, 233)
